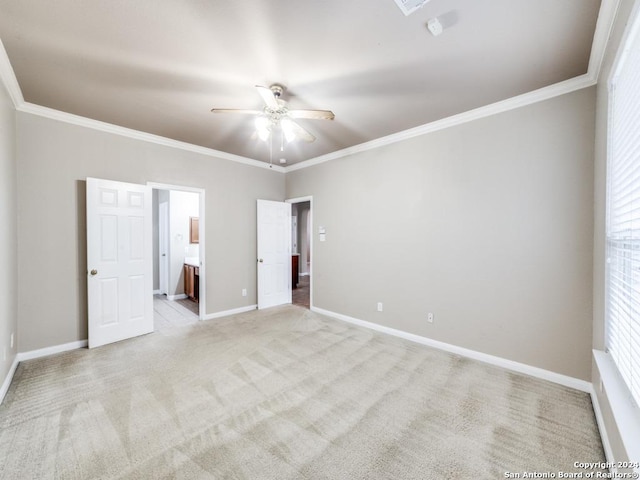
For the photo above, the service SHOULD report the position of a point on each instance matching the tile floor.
(173, 313)
(300, 295)
(178, 313)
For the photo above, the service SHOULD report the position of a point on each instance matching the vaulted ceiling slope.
(159, 67)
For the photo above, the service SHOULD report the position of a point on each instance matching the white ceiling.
(159, 67)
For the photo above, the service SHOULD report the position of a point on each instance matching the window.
(623, 215)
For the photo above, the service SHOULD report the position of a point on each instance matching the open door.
(119, 261)
(274, 253)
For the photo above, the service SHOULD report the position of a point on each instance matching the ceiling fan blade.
(300, 132)
(267, 96)
(312, 114)
(235, 110)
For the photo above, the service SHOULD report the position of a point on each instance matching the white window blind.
(623, 219)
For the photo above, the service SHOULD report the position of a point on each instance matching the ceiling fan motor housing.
(276, 113)
(277, 90)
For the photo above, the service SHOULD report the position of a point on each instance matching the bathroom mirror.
(194, 236)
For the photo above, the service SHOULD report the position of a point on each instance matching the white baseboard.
(156, 292)
(558, 378)
(43, 352)
(226, 313)
(8, 379)
(180, 296)
(606, 444)
(565, 380)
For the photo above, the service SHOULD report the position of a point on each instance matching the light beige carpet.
(284, 394)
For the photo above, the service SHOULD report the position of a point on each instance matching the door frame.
(201, 242)
(309, 199)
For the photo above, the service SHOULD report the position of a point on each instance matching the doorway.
(179, 246)
(301, 248)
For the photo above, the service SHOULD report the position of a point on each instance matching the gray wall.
(8, 234)
(54, 158)
(483, 224)
(602, 107)
(489, 225)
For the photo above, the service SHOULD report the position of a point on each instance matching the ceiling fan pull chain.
(270, 151)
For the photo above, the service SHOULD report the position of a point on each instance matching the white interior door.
(274, 253)
(119, 261)
(163, 247)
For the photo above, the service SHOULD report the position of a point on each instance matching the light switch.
(323, 237)
(321, 230)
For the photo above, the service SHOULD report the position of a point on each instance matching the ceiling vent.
(410, 6)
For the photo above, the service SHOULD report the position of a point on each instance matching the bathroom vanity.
(192, 279)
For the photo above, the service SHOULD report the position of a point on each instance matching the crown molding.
(138, 135)
(529, 98)
(604, 24)
(8, 78)
(606, 18)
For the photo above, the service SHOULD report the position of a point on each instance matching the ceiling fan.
(276, 114)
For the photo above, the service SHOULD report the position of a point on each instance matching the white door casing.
(305, 241)
(202, 250)
(274, 253)
(119, 261)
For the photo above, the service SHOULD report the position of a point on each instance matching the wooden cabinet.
(294, 271)
(194, 230)
(192, 282)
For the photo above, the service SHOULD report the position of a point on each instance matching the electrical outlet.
(430, 317)
(12, 340)
(379, 306)
(244, 292)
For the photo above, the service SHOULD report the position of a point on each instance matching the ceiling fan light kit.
(288, 129)
(275, 113)
(263, 127)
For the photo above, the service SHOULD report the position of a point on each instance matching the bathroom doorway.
(179, 246)
(302, 251)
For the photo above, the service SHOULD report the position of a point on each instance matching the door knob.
(94, 272)
(260, 260)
